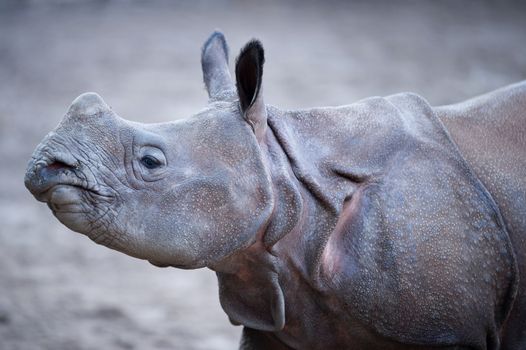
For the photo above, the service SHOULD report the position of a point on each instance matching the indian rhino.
(383, 224)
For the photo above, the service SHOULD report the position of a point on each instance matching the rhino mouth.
(64, 198)
(59, 183)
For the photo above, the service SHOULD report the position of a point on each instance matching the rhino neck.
(252, 280)
(308, 194)
(309, 169)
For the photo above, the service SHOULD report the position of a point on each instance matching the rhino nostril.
(59, 165)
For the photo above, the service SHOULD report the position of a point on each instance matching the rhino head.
(186, 193)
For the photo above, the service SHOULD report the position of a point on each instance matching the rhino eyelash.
(150, 162)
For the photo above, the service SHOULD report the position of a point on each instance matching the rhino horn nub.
(88, 103)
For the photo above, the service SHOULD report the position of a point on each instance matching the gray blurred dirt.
(58, 290)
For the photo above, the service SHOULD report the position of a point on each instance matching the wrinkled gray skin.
(384, 224)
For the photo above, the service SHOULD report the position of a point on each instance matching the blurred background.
(58, 290)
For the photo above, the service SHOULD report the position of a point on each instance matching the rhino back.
(490, 132)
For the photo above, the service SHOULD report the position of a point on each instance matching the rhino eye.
(150, 162)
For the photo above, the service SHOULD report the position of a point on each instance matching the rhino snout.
(44, 174)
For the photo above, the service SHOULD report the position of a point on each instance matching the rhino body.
(384, 224)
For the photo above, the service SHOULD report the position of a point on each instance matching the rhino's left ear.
(214, 62)
(249, 73)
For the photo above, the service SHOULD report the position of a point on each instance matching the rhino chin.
(72, 207)
(74, 220)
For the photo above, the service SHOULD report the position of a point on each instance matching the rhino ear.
(214, 62)
(88, 103)
(249, 73)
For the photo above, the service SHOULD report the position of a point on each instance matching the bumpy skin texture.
(367, 226)
(490, 132)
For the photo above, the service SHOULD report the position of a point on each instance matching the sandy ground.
(60, 291)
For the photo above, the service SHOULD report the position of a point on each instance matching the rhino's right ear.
(249, 75)
(214, 62)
